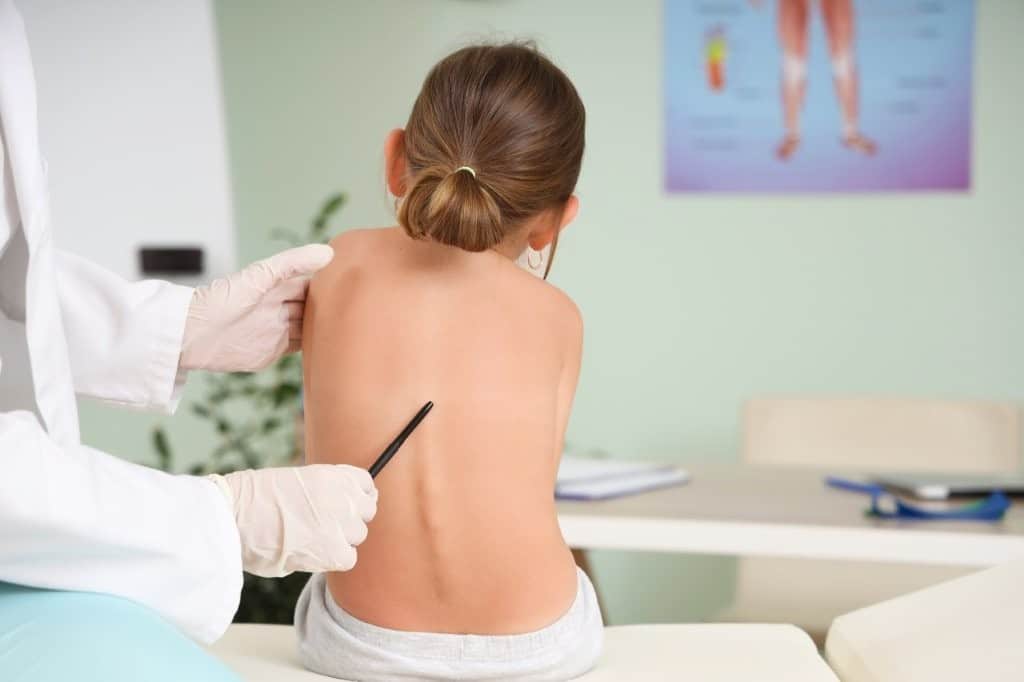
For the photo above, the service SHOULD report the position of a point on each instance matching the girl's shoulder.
(554, 311)
(355, 247)
(354, 242)
(548, 294)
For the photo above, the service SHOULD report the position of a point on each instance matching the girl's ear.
(572, 207)
(543, 235)
(394, 161)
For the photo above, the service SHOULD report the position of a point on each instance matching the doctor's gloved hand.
(244, 322)
(304, 518)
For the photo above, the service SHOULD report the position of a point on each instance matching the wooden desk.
(782, 512)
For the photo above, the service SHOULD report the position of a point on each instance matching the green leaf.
(223, 426)
(270, 424)
(163, 449)
(331, 206)
(219, 396)
(285, 235)
(200, 410)
(284, 392)
(197, 470)
(286, 363)
(249, 456)
(219, 452)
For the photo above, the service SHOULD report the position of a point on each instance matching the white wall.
(132, 126)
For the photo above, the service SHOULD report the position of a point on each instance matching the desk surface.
(736, 509)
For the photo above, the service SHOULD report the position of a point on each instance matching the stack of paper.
(580, 478)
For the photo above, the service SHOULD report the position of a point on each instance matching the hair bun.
(451, 207)
(495, 138)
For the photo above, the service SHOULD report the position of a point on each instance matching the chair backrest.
(885, 434)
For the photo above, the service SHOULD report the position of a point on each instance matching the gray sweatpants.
(333, 642)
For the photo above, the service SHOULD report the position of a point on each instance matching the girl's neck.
(508, 250)
(511, 248)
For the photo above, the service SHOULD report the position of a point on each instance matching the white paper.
(593, 479)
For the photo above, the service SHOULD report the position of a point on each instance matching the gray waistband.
(556, 636)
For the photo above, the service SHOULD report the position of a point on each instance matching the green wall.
(691, 303)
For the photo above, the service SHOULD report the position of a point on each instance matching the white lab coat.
(71, 517)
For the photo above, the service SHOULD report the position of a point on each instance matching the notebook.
(582, 478)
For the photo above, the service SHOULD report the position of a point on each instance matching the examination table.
(971, 628)
(708, 653)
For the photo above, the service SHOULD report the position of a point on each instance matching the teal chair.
(51, 636)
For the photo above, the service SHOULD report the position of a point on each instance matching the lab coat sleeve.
(78, 519)
(124, 338)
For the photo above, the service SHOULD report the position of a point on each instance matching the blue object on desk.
(885, 505)
(853, 486)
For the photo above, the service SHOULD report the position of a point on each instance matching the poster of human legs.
(818, 95)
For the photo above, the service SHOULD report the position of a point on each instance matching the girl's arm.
(570, 376)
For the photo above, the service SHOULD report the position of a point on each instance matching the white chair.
(637, 653)
(882, 434)
(966, 629)
(860, 435)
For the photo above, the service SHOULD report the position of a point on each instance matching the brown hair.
(510, 115)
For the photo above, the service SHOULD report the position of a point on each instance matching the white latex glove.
(305, 518)
(244, 322)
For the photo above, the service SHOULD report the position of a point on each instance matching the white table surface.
(782, 512)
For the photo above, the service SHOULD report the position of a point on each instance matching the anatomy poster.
(818, 95)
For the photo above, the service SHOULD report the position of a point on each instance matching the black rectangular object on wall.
(170, 260)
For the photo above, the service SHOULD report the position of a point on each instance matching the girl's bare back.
(466, 538)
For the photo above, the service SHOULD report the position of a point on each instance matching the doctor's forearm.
(83, 520)
(124, 338)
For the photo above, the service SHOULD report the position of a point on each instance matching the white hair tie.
(467, 169)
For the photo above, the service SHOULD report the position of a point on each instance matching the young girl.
(465, 575)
